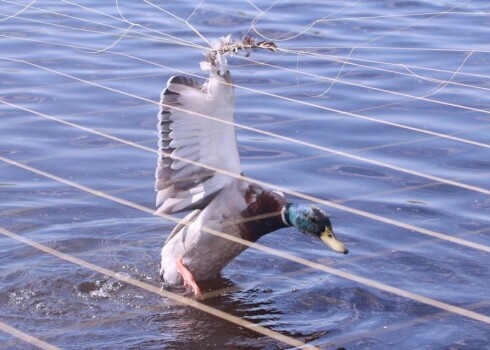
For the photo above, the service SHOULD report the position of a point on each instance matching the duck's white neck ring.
(283, 216)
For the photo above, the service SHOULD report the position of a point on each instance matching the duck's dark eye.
(330, 235)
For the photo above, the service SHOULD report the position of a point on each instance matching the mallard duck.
(216, 201)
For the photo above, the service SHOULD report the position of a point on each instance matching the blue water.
(48, 67)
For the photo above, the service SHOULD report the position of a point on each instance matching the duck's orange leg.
(188, 278)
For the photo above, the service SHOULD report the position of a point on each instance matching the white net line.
(336, 272)
(275, 187)
(26, 337)
(281, 137)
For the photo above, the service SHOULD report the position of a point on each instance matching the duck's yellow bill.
(329, 238)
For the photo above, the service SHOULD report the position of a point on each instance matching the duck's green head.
(312, 221)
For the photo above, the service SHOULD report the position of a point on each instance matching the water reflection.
(190, 328)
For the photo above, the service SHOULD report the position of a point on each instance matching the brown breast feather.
(263, 214)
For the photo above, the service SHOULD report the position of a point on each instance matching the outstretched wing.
(196, 136)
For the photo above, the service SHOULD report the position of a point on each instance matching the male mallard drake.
(218, 201)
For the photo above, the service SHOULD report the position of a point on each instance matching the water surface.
(59, 60)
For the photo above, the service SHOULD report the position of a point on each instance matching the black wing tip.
(181, 80)
(178, 79)
(170, 97)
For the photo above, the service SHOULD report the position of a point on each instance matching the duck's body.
(205, 254)
(197, 152)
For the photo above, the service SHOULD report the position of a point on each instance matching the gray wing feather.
(185, 138)
(185, 221)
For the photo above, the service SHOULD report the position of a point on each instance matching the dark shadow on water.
(184, 327)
